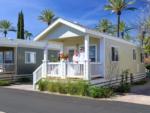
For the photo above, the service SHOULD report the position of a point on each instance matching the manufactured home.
(22, 57)
(105, 56)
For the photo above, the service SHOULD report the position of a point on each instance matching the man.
(81, 55)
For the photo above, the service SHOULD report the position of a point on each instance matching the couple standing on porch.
(79, 56)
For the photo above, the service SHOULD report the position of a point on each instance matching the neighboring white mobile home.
(105, 56)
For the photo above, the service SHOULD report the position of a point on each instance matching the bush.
(123, 88)
(68, 86)
(78, 88)
(4, 83)
(100, 92)
(148, 67)
(43, 85)
(73, 87)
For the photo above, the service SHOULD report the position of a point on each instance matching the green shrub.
(148, 67)
(123, 88)
(78, 88)
(100, 92)
(4, 83)
(68, 86)
(43, 85)
(73, 87)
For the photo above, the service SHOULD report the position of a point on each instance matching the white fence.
(96, 69)
(62, 69)
(67, 70)
(7, 68)
(54, 69)
(37, 75)
(75, 70)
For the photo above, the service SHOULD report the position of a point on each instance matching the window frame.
(133, 54)
(30, 52)
(142, 58)
(116, 47)
(89, 50)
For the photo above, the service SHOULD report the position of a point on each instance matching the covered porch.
(7, 60)
(91, 68)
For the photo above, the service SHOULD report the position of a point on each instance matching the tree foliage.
(28, 35)
(47, 16)
(5, 27)
(117, 6)
(20, 31)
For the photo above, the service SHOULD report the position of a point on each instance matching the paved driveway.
(18, 101)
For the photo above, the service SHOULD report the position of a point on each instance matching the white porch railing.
(37, 75)
(54, 69)
(7, 68)
(75, 70)
(96, 69)
(67, 70)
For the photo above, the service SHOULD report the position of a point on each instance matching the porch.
(7, 60)
(90, 68)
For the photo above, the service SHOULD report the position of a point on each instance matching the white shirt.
(75, 58)
(82, 57)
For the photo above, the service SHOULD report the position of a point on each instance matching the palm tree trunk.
(5, 33)
(118, 26)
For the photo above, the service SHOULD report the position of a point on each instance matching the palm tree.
(124, 29)
(28, 35)
(5, 27)
(104, 26)
(47, 16)
(147, 44)
(118, 6)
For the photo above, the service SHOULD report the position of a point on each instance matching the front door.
(70, 54)
(70, 51)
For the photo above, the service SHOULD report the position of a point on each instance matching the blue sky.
(86, 12)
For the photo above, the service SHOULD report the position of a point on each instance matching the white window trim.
(34, 57)
(117, 47)
(135, 54)
(96, 60)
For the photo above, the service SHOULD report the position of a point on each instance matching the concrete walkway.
(139, 95)
(26, 87)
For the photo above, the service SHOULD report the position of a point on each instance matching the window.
(134, 54)
(142, 58)
(53, 55)
(8, 56)
(115, 56)
(92, 53)
(30, 57)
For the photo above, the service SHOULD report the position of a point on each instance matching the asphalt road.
(17, 101)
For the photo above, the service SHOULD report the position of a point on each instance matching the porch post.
(45, 61)
(86, 65)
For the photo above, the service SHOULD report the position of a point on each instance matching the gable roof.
(82, 29)
(65, 22)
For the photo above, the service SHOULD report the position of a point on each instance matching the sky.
(85, 12)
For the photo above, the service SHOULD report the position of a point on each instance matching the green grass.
(4, 83)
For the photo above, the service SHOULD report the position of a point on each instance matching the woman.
(76, 56)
